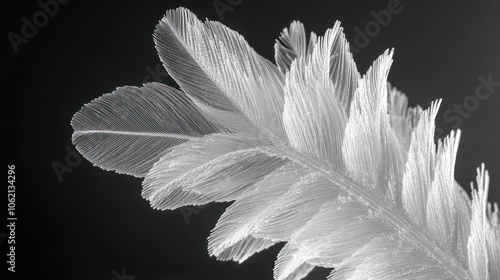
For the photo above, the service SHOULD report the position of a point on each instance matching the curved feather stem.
(408, 231)
(129, 133)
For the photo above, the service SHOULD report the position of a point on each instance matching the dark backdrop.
(93, 224)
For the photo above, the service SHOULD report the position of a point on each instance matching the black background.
(94, 222)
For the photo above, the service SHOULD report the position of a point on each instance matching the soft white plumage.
(313, 154)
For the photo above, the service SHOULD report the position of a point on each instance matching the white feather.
(333, 163)
(291, 45)
(215, 65)
(129, 129)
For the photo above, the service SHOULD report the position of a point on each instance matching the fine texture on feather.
(215, 65)
(333, 163)
(291, 45)
(314, 119)
(129, 129)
